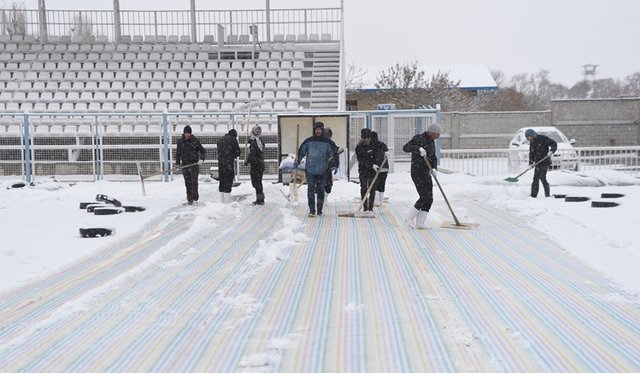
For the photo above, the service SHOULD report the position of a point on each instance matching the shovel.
(457, 224)
(366, 196)
(515, 179)
(143, 177)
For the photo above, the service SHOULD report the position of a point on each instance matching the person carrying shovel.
(422, 148)
(541, 149)
(190, 151)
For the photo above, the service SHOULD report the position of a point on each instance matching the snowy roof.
(471, 77)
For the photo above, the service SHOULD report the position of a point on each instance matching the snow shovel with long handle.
(515, 179)
(143, 177)
(456, 224)
(366, 196)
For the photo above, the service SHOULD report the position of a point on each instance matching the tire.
(91, 207)
(96, 232)
(133, 208)
(559, 195)
(575, 199)
(611, 195)
(83, 205)
(107, 211)
(604, 204)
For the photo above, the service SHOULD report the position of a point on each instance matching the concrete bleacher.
(150, 74)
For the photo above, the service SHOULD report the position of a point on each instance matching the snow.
(40, 222)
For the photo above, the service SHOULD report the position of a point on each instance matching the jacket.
(540, 147)
(418, 164)
(228, 151)
(319, 151)
(189, 151)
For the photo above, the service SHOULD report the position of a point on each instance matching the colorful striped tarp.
(270, 289)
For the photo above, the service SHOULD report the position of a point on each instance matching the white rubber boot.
(379, 198)
(421, 219)
(411, 217)
(227, 198)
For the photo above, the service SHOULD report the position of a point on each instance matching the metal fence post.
(165, 145)
(97, 159)
(27, 147)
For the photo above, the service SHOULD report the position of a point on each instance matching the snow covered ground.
(39, 230)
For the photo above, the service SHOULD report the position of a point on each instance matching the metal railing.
(91, 23)
(95, 146)
(492, 162)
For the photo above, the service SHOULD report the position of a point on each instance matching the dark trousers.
(424, 186)
(329, 183)
(540, 176)
(256, 178)
(315, 186)
(226, 181)
(365, 182)
(191, 182)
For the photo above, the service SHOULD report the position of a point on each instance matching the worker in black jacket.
(228, 151)
(191, 153)
(541, 149)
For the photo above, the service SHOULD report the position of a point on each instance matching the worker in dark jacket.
(256, 161)
(422, 148)
(191, 153)
(334, 164)
(366, 170)
(318, 150)
(380, 152)
(228, 151)
(541, 149)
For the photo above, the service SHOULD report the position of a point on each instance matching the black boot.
(259, 199)
(319, 207)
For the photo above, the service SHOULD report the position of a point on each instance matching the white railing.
(489, 162)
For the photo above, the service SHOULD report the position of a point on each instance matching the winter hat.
(365, 133)
(374, 135)
(187, 129)
(530, 133)
(434, 128)
(328, 132)
(318, 125)
(233, 133)
(256, 131)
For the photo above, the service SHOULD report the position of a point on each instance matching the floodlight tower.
(589, 71)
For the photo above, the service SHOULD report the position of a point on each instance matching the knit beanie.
(256, 131)
(434, 128)
(187, 129)
(530, 133)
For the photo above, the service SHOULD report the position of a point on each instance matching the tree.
(401, 77)
(82, 26)
(14, 21)
(355, 77)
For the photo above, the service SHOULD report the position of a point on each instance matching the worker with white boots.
(423, 149)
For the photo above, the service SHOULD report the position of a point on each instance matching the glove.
(334, 170)
(201, 162)
(386, 154)
(177, 168)
(434, 173)
(423, 153)
(375, 167)
(550, 154)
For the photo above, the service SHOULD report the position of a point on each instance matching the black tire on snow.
(611, 195)
(107, 210)
(575, 199)
(91, 207)
(95, 232)
(604, 204)
(133, 208)
(106, 199)
(559, 195)
(83, 205)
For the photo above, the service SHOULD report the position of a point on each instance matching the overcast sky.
(513, 36)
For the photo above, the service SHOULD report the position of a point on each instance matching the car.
(565, 158)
